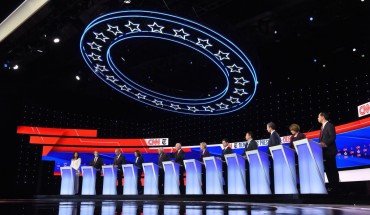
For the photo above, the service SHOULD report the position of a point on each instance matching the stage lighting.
(15, 67)
(354, 49)
(56, 40)
(77, 77)
(127, 1)
(311, 18)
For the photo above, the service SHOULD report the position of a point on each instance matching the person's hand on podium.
(322, 144)
(171, 149)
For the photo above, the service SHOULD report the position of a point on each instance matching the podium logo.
(363, 109)
(156, 141)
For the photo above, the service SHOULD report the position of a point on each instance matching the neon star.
(158, 103)
(235, 68)
(140, 96)
(125, 88)
(114, 30)
(209, 108)
(95, 56)
(240, 92)
(156, 28)
(176, 107)
(111, 78)
(133, 27)
(101, 36)
(203, 43)
(223, 106)
(221, 55)
(181, 33)
(233, 100)
(241, 81)
(100, 68)
(93, 45)
(194, 109)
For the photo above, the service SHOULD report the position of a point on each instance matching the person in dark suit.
(250, 145)
(161, 158)
(226, 150)
(97, 163)
(118, 161)
(204, 153)
(327, 141)
(274, 140)
(139, 160)
(179, 156)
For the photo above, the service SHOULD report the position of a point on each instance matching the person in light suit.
(118, 161)
(76, 164)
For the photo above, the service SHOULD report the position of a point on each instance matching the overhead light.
(19, 15)
(127, 1)
(15, 67)
(78, 77)
(311, 18)
(354, 49)
(56, 40)
(39, 50)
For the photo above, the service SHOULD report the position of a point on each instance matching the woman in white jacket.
(75, 164)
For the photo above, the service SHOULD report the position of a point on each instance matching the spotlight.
(15, 67)
(56, 40)
(127, 1)
(354, 49)
(77, 77)
(311, 18)
(314, 60)
(275, 32)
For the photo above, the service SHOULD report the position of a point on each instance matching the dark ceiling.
(287, 49)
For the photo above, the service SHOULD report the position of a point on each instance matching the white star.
(182, 33)
(95, 56)
(222, 106)
(139, 96)
(158, 103)
(125, 88)
(93, 45)
(235, 68)
(156, 28)
(114, 30)
(209, 108)
(194, 109)
(176, 107)
(111, 78)
(240, 92)
(222, 55)
(133, 27)
(233, 100)
(203, 43)
(101, 68)
(241, 81)
(101, 36)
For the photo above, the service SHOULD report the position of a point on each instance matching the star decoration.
(176, 107)
(194, 109)
(140, 96)
(100, 68)
(223, 106)
(95, 56)
(221, 55)
(158, 103)
(133, 27)
(101, 36)
(156, 28)
(240, 92)
(209, 108)
(233, 100)
(235, 68)
(180, 33)
(203, 43)
(93, 45)
(125, 88)
(241, 81)
(111, 78)
(114, 30)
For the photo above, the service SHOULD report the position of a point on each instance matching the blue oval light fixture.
(111, 29)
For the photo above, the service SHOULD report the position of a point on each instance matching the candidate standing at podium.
(274, 140)
(139, 160)
(97, 163)
(225, 151)
(296, 135)
(179, 156)
(119, 160)
(329, 146)
(250, 145)
(161, 158)
(204, 153)
(76, 164)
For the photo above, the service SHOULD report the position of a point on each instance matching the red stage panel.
(67, 132)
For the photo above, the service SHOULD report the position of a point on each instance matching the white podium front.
(88, 180)
(311, 166)
(171, 177)
(285, 176)
(236, 182)
(68, 180)
(259, 172)
(150, 179)
(109, 181)
(193, 176)
(87, 208)
(214, 179)
(130, 186)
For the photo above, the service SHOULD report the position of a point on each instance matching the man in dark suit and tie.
(179, 156)
(161, 158)
(225, 151)
(329, 147)
(119, 160)
(204, 153)
(274, 140)
(97, 163)
(250, 145)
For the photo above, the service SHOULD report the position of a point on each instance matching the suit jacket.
(98, 164)
(162, 157)
(139, 162)
(251, 146)
(226, 151)
(179, 157)
(204, 155)
(328, 136)
(299, 136)
(274, 139)
(119, 162)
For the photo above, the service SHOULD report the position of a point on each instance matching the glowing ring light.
(108, 30)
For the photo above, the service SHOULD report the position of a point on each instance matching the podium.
(285, 176)
(108, 207)
(67, 186)
(311, 166)
(130, 186)
(259, 172)
(88, 180)
(193, 176)
(236, 181)
(109, 181)
(67, 208)
(171, 177)
(87, 208)
(150, 179)
(214, 179)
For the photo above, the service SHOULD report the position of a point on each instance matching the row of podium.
(310, 163)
